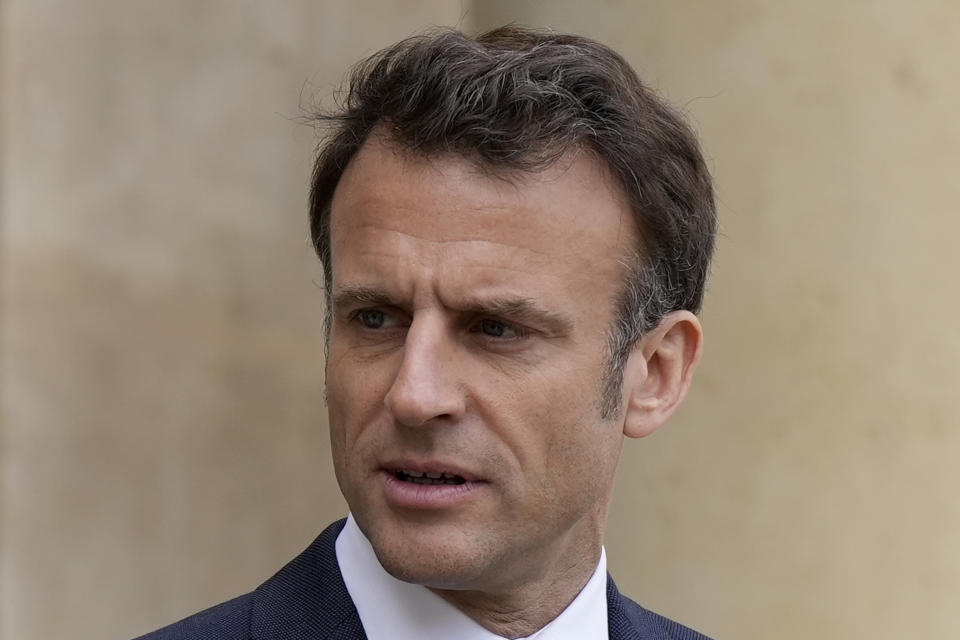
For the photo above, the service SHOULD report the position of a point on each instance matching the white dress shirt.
(394, 610)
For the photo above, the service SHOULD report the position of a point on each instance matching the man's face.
(468, 343)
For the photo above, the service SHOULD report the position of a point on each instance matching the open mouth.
(416, 477)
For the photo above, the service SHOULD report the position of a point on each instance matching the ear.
(658, 372)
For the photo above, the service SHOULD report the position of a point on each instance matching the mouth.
(420, 477)
(434, 486)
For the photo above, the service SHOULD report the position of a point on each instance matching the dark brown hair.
(517, 99)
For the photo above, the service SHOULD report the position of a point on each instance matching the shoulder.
(307, 594)
(627, 619)
(227, 621)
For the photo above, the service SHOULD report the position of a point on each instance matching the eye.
(498, 329)
(372, 318)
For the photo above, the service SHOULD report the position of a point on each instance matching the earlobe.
(658, 372)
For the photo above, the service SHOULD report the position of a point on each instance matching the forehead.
(444, 213)
(576, 194)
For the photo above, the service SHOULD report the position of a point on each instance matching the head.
(515, 236)
(515, 100)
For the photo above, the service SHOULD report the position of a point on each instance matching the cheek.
(548, 422)
(354, 399)
(576, 441)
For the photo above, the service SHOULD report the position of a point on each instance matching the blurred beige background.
(164, 443)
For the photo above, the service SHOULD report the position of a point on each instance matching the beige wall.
(809, 488)
(163, 439)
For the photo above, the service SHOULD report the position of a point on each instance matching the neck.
(522, 610)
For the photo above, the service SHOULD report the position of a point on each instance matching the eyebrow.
(353, 294)
(518, 308)
(523, 310)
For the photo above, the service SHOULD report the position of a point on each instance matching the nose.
(426, 388)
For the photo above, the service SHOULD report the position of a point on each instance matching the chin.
(429, 562)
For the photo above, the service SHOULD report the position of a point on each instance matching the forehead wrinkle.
(445, 248)
(399, 229)
(410, 201)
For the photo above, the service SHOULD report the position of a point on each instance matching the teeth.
(418, 477)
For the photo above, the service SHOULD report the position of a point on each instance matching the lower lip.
(410, 495)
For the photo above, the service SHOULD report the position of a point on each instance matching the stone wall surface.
(164, 438)
(163, 430)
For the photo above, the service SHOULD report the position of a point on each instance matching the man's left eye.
(498, 329)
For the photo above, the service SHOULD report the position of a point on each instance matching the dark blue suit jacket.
(307, 600)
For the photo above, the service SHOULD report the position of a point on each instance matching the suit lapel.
(619, 626)
(307, 599)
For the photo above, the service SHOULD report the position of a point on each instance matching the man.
(515, 236)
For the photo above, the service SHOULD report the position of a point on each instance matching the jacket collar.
(307, 600)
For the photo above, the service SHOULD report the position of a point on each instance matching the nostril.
(418, 404)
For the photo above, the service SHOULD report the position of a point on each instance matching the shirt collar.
(394, 610)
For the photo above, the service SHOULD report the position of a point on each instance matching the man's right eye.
(372, 319)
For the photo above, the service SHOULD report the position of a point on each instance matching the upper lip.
(429, 467)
